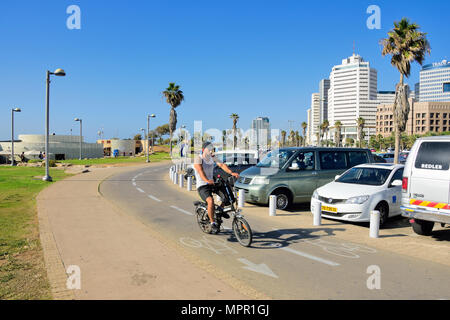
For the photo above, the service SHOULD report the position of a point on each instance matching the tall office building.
(353, 94)
(308, 128)
(417, 91)
(324, 86)
(315, 117)
(261, 133)
(434, 82)
(386, 97)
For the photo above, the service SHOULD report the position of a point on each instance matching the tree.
(292, 138)
(283, 137)
(235, 118)
(360, 122)
(406, 44)
(325, 128)
(224, 139)
(338, 133)
(349, 142)
(304, 127)
(137, 137)
(174, 96)
(297, 139)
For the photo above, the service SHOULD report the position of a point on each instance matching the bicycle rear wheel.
(242, 232)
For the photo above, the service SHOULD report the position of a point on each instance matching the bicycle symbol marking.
(218, 246)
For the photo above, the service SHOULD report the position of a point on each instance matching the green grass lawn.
(22, 269)
(159, 156)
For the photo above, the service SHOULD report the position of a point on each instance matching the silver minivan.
(292, 174)
(426, 184)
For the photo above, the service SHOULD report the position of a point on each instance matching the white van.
(426, 184)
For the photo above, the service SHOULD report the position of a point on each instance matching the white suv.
(426, 184)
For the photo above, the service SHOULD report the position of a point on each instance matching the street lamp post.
(12, 134)
(81, 136)
(148, 134)
(59, 73)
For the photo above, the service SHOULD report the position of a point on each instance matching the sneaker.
(214, 227)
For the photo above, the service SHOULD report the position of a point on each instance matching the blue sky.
(254, 58)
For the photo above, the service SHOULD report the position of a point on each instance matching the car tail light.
(405, 184)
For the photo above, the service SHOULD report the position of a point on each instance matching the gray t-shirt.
(208, 169)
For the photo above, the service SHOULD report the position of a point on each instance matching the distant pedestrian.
(41, 155)
(22, 157)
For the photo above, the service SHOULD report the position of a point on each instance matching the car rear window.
(332, 160)
(357, 157)
(433, 156)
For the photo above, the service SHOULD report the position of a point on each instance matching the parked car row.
(349, 183)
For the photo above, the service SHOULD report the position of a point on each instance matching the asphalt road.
(295, 263)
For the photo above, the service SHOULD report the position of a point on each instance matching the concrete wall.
(69, 146)
(127, 146)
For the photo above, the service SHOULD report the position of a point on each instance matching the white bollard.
(374, 224)
(272, 206)
(241, 198)
(189, 183)
(175, 178)
(181, 182)
(317, 221)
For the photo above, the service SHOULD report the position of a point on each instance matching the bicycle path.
(284, 262)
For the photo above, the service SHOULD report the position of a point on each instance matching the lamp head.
(59, 72)
(77, 119)
(152, 115)
(17, 110)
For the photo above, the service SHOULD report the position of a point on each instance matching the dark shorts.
(205, 191)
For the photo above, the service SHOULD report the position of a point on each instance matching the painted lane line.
(183, 211)
(140, 190)
(309, 256)
(154, 198)
(134, 184)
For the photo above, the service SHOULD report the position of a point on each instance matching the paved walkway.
(118, 256)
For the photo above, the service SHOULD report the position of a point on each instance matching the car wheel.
(422, 227)
(283, 200)
(383, 208)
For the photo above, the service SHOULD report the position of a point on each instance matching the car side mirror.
(337, 177)
(396, 183)
(294, 167)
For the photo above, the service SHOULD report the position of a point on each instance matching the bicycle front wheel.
(242, 231)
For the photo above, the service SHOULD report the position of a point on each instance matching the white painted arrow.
(260, 268)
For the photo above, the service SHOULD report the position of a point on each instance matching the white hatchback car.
(359, 190)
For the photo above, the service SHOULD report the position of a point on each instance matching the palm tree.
(224, 139)
(338, 133)
(304, 127)
(174, 96)
(406, 44)
(325, 127)
(235, 118)
(319, 135)
(283, 137)
(297, 139)
(360, 122)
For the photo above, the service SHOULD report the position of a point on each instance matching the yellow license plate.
(329, 209)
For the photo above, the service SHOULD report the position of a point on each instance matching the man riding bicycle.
(204, 167)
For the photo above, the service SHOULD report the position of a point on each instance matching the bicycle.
(240, 226)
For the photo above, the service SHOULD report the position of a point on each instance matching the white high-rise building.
(308, 128)
(261, 133)
(353, 94)
(434, 83)
(315, 117)
(324, 86)
(386, 97)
